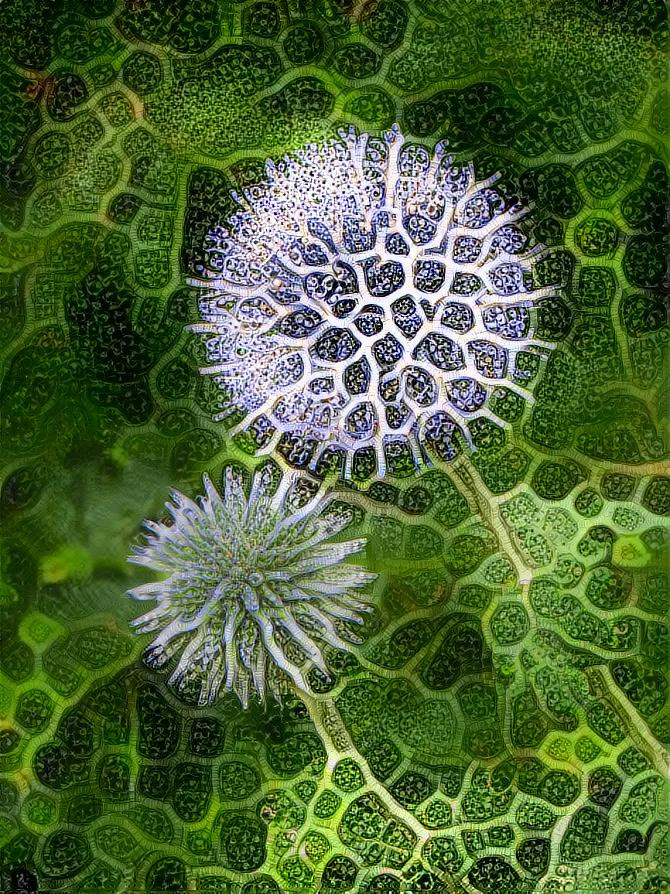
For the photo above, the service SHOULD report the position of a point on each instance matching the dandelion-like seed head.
(367, 296)
(252, 588)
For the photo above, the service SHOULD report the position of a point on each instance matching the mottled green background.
(504, 727)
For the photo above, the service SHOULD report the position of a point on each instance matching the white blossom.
(251, 587)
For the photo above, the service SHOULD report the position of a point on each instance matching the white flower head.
(248, 582)
(367, 296)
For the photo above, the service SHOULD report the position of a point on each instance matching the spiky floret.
(248, 583)
(368, 295)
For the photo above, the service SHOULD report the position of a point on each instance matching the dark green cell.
(585, 835)
(115, 841)
(533, 855)
(8, 795)
(556, 190)
(357, 61)
(460, 652)
(630, 841)
(401, 645)
(103, 878)
(559, 788)
(166, 876)
(643, 209)
(65, 854)
(465, 553)
(303, 43)
(153, 822)
(192, 791)
(114, 777)
(586, 750)
(68, 91)
(242, 842)
(382, 492)
(609, 588)
(33, 710)
(597, 236)
(306, 97)
(305, 790)
(655, 595)
(422, 542)
(494, 874)
(374, 106)
(597, 120)
(327, 804)
(535, 816)
(646, 688)
(478, 701)
(486, 435)
(295, 753)
(262, 884)
(604, 721)
(16, 659)
(549, 231)
(383, 884)
(604, 787)
(597, 286)
(451, 780)
(529, 725)
(616, 486)
(123, 208)
(57, 768)
(642, 313)
(339, 874)
(188, 27)
(399, 458)
(500, 836)
(442, 855)
(416, 500)
(159, 725)
(554, 481)
(384, 757)
(656, 496)
(347, 775)
(385, 23)
(473, 841)
(632, 762)
(589, 503)
(599, 176)
(412, 788)
(51, 154)
(96, 647)
(507, 405)
(84, 809)
(660, 111)
(142, 72)
(9, 739)
(262, 20)
(237, 781)
(510, 623)
(483, 741)
(644, 262)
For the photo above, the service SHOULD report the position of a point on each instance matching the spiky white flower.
(246, 580)
(367, 296)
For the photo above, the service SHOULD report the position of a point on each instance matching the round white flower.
(367, 297)
(251, 589)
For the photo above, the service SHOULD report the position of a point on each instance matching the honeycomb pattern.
(504, 725)
(359, 285)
